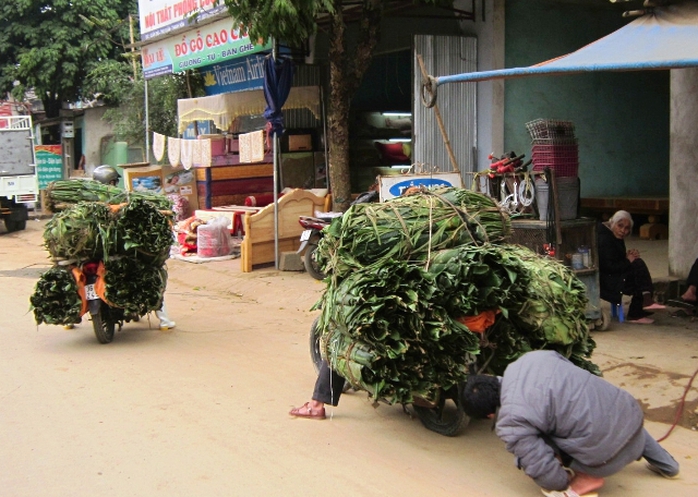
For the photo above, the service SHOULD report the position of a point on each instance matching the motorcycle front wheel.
(310, 263)
(104, 323)
(447, 417)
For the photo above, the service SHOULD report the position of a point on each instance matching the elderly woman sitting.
(623, 272)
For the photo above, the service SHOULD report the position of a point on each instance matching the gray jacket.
(544, 395)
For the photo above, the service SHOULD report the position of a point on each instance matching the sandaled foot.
(654, 307)
(641, 321)
(306, 411)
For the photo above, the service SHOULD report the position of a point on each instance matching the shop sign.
(49, 164)
(242, 74)
(159, 17)
(394, 186)
(211, 44)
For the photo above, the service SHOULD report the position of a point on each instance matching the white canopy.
(224, 108)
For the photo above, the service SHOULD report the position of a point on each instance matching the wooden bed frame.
(258, 244)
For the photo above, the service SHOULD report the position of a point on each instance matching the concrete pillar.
(683, 171)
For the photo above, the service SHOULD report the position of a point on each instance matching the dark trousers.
(637, 282)
(328, 386)
(693, 275)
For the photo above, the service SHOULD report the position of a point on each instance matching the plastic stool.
(617, 312)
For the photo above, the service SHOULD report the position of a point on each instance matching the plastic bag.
(213, 238)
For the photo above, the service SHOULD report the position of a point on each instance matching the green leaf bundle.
(82, 231)
(409, 344)
(392, 329)
(55, 299)
(133, 285)
(61, 194)
(145, 231)
(409, 228)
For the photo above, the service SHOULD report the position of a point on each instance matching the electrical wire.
(679, 409)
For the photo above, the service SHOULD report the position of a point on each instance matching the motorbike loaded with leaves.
(109, 249)
(423, 290)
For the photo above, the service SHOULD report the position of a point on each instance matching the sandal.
(305, 411)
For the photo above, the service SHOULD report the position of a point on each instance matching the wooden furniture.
(657, 206)
(258, 244)
(230, 183)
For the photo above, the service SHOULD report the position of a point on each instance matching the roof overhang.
(664, 38)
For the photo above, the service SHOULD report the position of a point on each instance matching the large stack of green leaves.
(133, 240)
(403, 272)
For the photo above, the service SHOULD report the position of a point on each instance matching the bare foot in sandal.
(312, 410)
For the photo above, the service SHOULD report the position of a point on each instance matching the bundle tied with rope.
(408, 276)
(130, 239)
(409, 228)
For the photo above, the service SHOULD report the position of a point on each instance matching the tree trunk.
(346, 71)
(338, 118)
(52, 107)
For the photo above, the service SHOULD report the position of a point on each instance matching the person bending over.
(568, 428)
(623, 272)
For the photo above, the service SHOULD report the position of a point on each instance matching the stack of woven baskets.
(554, 146)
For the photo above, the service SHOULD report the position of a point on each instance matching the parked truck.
(18, 178)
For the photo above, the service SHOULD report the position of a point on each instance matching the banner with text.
(49, 164)
(159, 17)
(211, 44)
(246, 73)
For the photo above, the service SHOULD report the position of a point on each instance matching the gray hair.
(618, 216)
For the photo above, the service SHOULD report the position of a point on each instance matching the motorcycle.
(312, 234)
(310, 237)
(445, 416)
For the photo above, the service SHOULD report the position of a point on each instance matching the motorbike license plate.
(90, 293)
(305, 236)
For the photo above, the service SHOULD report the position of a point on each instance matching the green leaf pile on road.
(390, 325)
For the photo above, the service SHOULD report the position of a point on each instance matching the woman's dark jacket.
(613, 264)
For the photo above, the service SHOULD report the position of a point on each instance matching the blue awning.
(667, 38)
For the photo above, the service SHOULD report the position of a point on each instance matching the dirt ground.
(201, 410)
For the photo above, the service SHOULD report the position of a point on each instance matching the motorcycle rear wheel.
(448, 417)
(104, 324)
(310, 263)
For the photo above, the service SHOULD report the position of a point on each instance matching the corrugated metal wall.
(444, 55)
(303, 118)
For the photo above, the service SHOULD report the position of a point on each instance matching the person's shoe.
(661, 472)
(166, 324)
(305, 411)
(640, 321)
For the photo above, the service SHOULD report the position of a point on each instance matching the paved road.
(202, 410)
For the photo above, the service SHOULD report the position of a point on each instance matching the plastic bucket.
(567, 197)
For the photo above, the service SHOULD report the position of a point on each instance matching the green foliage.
(48, 46)
(128, 119)
(291, 21)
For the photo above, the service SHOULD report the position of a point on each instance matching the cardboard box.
(181, 181)
(300, 143)
(143, 179)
